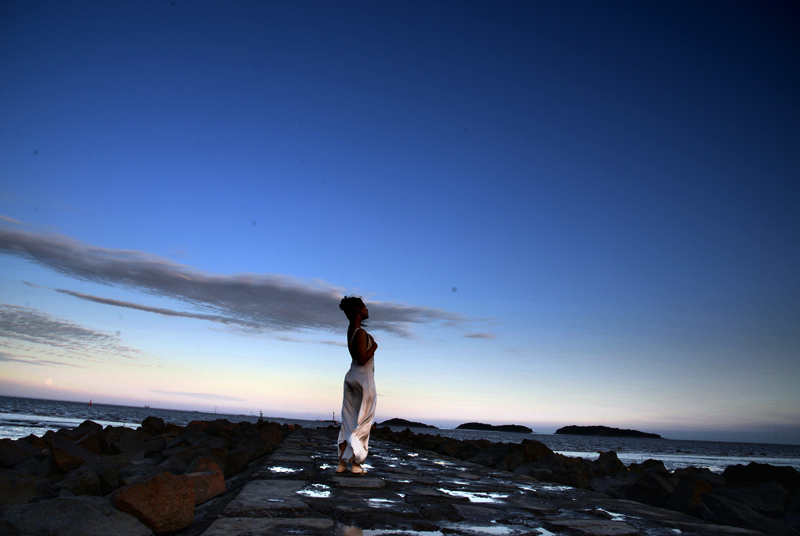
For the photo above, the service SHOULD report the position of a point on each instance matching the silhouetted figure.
(360, 397)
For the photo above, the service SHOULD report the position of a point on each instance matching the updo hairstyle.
(350, 305)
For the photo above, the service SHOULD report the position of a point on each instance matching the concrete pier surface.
(419, 493)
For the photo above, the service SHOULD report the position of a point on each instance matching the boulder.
(85, 427)
(139, 441)
(67, 455)
(203, 464)
(165, 502)
(14, 452)
(649, 466)
(608, 464)
(91, 442)
(526, 452)
(38, 443)
(153, 425)
(207, 485)
(271, 431)
(768, 498)
(78, 516)
(652, 489)
(16, 487)
(81, 483)
(758, 473)
(238, 461)
(687, 495)
(728, 512)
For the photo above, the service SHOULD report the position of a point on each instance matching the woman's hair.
(351, 304)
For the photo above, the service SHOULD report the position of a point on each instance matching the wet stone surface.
(419, 493)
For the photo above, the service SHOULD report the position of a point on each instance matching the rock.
(38, 443)
(728, 512)
(207, 485)
(175, 465)
(758, 473)
(652, 489)
(270, 431)
(138, 472)
(165, 502)
(81, 483)
(607, 464)
(14, 452)
(67, 455)
(156, 424)
(139, 441)
(203, 464)
(78, 516)
(526, 452)
(649, 466)
(91, 441)
(85, 427)
(768, 498)
(16, 487)
(687, 495)
(238, 461)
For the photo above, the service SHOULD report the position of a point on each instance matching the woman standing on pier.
(360, 397)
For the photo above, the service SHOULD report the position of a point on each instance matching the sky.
(557, 212)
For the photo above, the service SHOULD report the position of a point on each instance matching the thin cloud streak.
(32, 326)
(4, 357)
(480, 336)
(262, 303)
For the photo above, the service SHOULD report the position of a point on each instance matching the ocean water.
(20, 417)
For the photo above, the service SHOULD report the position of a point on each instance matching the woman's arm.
(359, 351)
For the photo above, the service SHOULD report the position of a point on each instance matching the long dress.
(358, 407)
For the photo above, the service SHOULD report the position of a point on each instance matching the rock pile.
(116, 480)
(756, 496)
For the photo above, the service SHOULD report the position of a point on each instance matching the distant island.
(403, 422)
(495, 428)
(604, 431)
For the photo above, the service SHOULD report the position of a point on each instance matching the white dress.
(358, 407)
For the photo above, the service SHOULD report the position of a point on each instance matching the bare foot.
(357, 469)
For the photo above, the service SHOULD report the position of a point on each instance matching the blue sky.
(558, 213)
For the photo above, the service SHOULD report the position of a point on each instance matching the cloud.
(481, 335)
(5, 357)
(32, 326)
(249, 301)
(207, 396)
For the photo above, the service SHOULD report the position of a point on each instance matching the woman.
(358, 406)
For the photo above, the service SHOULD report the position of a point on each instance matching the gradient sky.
(557, 212)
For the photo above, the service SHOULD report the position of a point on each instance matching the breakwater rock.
(604, 431)
(757, 496)
(116, 480)
(516, 428)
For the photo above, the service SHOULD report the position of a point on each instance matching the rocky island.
(604, 431)
(495, 428)
(403, 422)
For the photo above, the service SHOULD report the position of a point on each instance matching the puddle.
(488, 529)
(379, 502)
(555, 488)
(545, 532)
(476, 497)
(614, 516)
(279, 469)
(355, 531)
(316, 491)
(413, 454)
(442, 462)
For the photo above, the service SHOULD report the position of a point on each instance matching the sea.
(20, 417)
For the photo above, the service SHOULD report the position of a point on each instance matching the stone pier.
(419, 493)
